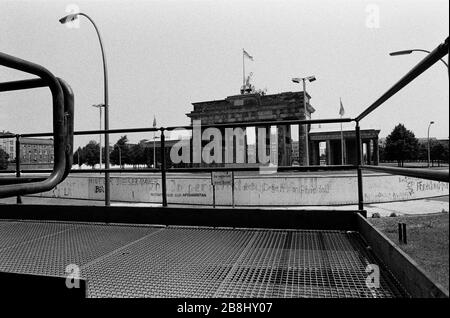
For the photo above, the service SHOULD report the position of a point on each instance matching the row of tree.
(402, 145)
(3, 159)
(121, 154)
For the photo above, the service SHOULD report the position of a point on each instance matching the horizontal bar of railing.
(421, 67)
(263, 169)
(16, 180)
(196, 170)
(23, 84)
(435, 175)
(137, 130)
(86, 170)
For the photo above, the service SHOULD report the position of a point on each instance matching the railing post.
(163, 168)
(19, 198)
(358, 169)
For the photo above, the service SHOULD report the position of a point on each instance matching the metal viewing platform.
(186, 252)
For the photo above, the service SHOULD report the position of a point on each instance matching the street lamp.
(99, 106)
(72, 17)
(428, 139)
(311, 78)
(405, 52)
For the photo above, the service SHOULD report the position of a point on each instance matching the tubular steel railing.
(421, 67)
(63, 110)
(439, 52)
(163, 168)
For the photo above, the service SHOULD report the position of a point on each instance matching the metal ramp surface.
(178, 261)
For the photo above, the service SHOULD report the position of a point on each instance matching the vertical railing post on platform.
(163, 168)
(19, 198)
(358, 169)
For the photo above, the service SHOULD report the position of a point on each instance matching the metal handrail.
(60, 127)
(421, 67)
(435, 175)
(433, 57)
(228, 125)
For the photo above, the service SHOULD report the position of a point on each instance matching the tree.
(3, 159)
(79, 157)
(401, 145)
(121, 152)
(439, 151)
(137, 154)
(92, 153)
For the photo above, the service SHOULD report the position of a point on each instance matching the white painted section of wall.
(252, 190)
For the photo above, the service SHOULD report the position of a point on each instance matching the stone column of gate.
(283, 151)
(315, 160)
(256, 145)
(329, 153)
(268, 143)
(344, 151)
(245, 146)
(369, 152)
(376, 152)
(301, 145)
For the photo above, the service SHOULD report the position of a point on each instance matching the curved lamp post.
(405, 52)
(311, 78)
(70, 18)
(428, 142)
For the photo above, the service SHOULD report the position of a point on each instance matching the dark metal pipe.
(400, 233)
(435, 175)
(197, 170)
(13, 180)
(143, 129)
(359, 170)
(18, 199)
(278, 169)
(421, 67)
(405, 241)
(23, 84)
(163, 169)
(68, 124)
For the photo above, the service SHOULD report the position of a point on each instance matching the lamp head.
(431, 122)
(296, 80)
(311, 78)
(68, 18)
(400, 52)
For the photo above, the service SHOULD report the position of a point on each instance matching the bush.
(393, 215)
(376, 215)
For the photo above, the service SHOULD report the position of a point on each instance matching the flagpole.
(154, 155)
(342, 145)
(243, 71)
(342, 139)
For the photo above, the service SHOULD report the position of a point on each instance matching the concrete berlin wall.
(254, 190)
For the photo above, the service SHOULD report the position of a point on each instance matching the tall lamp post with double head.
(311, 78)
(70, 18)
(428, 143)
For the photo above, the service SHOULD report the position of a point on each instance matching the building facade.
(252, 108)
(8, 144)
(32, 150)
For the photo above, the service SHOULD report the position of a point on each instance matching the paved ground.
(412, 207)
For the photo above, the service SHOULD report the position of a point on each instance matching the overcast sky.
(164, 55)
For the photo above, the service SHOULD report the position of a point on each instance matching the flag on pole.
(247, 55)
(341, 110)
(154, 122)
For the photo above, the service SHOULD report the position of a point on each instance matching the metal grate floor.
(146, 261)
